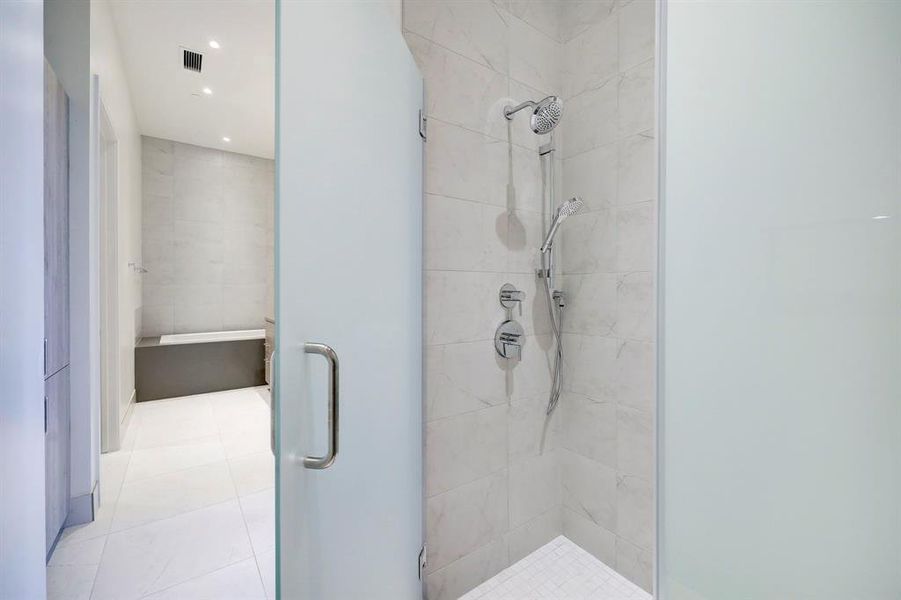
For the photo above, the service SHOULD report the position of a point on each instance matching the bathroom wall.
(501, 478)
(608, 257)
(106, 63)
(492, 478)
(207, 238)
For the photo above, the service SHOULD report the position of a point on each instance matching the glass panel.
(781, 345)
(349, 276)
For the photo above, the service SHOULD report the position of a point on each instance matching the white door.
(349, 197)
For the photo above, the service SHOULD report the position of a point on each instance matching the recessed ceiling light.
(214, 44)
(226, 139)
(207, 91)
(880, 217)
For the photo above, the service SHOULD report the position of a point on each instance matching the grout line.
(216, 570)
(99, 564)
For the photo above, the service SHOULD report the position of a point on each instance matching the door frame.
(108, 188)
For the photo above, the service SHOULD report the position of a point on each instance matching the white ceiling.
(168, 100)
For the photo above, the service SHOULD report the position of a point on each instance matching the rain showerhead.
(545, 116)
(567, 209)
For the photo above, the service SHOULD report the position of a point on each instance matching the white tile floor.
(559, 570)
(187, 508)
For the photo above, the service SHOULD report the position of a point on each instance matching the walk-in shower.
(546, 116)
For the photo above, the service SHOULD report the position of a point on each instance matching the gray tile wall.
(207, 238)
(501, 479)
(492, 475)
(608, 250)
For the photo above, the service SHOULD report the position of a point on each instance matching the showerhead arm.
(509, 111)
(546, 113)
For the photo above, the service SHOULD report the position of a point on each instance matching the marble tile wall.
(492, 473)
(608, 260)
(501, 478)
(208, 238)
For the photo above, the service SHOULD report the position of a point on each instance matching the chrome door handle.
(324, 462)
(272, 406)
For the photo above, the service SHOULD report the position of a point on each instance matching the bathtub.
(183, 364)
(212, 336)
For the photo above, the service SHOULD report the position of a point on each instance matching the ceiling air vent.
(192, 61)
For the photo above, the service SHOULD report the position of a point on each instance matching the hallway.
(188, 507)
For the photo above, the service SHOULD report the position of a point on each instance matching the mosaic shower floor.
(559, 570)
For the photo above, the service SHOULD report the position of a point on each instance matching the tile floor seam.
(253, 548)
(216, 570)
(97, 570)
(173, 472)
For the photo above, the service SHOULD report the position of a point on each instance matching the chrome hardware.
(559, 299)
(423, 561)
(272, 406)
(508, 340)
(509, 296)
(324, 462)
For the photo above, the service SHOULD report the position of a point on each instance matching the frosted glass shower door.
(348, 316)
(780, 429)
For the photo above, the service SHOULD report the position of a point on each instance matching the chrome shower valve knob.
(508, 340)
(509, 296)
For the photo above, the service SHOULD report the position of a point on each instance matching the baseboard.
(126, 418)
(83, 508)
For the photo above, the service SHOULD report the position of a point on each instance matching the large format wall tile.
(465, 447)
(530, 536)
(591, 428)
(460, 90)
(589, 489)
(635, 306)
(207, 238)
(534, 56)
(476, 29)
(534, 487)
(591, 118)
(531, 431)
(636, 99)
(589, 242)
(591, 303)
(502, 476)
(592, 175)
(461, 235)
(635, 443)
(635, 510)
(462, 306)
(610, 160)
(461, 378)
(466, 164)
(543, 16)
(590, 58)
(636, 26)
(637, 181)
(465, 519)
(579, 15)
(636, 235)
(635, 563)
(598, 540)
(457, 578)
